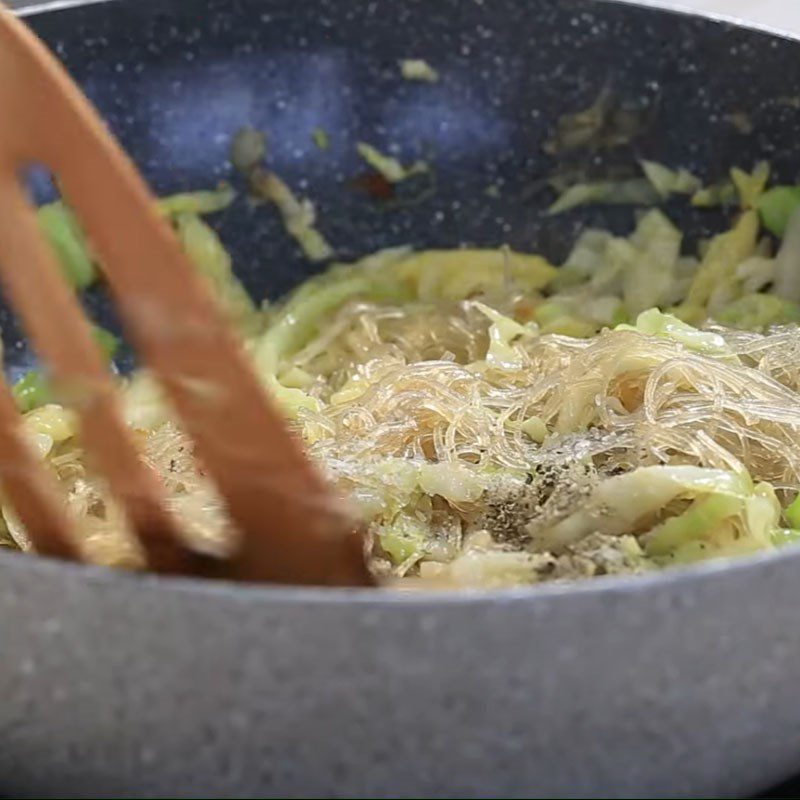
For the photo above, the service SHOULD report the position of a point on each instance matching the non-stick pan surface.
(682, 684)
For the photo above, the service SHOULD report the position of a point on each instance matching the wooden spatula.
(293, 530)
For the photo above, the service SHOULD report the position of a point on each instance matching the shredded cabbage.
(321, 138)
(198, 203)
(750, 186)
(389, 167)
(655, 323)
(714, 282)
(633, 192)
(776, 207)
(718, 194)
(64, 234)
(668, 181)
(620, 504)
(415, 69)
(787, 262)
(298, 215)
(204, 248)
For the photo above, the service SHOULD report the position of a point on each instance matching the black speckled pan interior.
(175, 78)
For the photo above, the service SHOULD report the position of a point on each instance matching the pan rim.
(30, 8)
(677, 578)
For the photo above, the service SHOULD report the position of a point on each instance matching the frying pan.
(685, 683)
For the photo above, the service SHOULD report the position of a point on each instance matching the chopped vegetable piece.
(668, 181)
(321, 138)
(298, 215)
(776, 207)
(52, 420)
(787, 262)
(453, 481)
(695, 523)
(389, 167)
(750, 186)
(582, 128)
(650, 271)
(742, 121)
(32, 390)
(726, 252)
(606, 124)
(460, 274)
(654, 323)
(62, 230)
(653, 487)
(197, 202)
(502, 333)
(758, 311)
(415, 69)
(636, 192)
(248, 149)
(718, 194)
(108, 343)
(586, 259)
(404, 539)
(204, 248)
(792, 513)
(535, 428)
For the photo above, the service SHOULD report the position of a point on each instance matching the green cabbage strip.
(718, 194)
(718, 268)
(387, 166)
(34, 389)
(633, 192)
(792, 513)
(726, 515)
(503, 332)
(702, 516)
(750, 185)
(655, 323)
(404, 538)
(649, 275)
(776, 207)
(786, 282)
(321, 138)
(586, 259)
(298, 215)
(300, 317)
(415, 69)
(61, 228)
(668, 181)
(204, 202)
(213, 262)
(394, 276)
(757, 311)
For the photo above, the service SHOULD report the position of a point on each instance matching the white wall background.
(782, 14)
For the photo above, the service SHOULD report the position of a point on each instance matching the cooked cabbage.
(299, 216)
(668, 181)
(387, 166)
(415, 69)
(633, 192)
